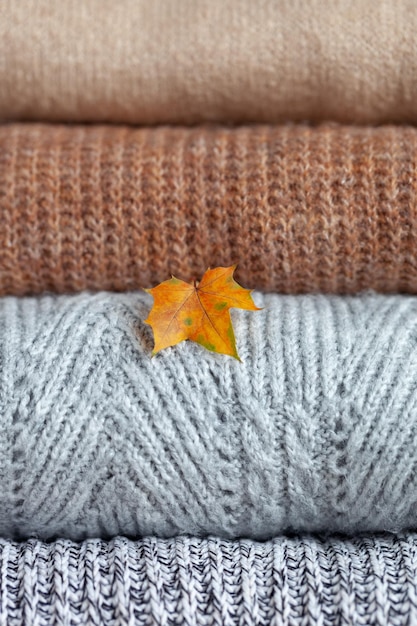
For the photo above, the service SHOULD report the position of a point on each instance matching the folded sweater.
(314, 431)
(196, 60)
(364, 581)
(300, 209)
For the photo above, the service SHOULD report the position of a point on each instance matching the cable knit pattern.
(314, 431)
(111, 208)
(289, 582)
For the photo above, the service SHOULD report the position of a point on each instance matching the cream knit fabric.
(156, 61)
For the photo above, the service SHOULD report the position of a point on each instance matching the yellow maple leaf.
(198, 311)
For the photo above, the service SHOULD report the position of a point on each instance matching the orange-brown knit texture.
(331, 208)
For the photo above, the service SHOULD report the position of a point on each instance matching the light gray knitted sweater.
(315, 431)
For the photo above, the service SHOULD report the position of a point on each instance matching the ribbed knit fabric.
(314, 431)
(289, 582)
(153, 61)
(300, 209)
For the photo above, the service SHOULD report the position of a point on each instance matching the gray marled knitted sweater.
(302, 581)
(315, 430)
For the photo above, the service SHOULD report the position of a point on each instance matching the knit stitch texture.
(300, 209)
(160, 61)
(286, 582)
(314, 431)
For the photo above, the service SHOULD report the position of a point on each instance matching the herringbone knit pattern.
(285, 582)
(314, 431)
(300, 209)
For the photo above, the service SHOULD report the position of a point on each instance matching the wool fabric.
(314, 431)
(330, 209)
(196, 60)
(365, 581)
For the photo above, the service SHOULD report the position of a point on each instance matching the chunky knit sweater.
(368, 581)
(314, 431)
(299, 209)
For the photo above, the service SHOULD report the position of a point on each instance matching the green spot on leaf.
(174, 281)
(188, 321)
(219, 306)
(206, 343)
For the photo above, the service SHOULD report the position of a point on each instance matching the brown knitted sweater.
(299, 209)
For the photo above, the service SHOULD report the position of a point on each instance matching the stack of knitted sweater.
(143, 139)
